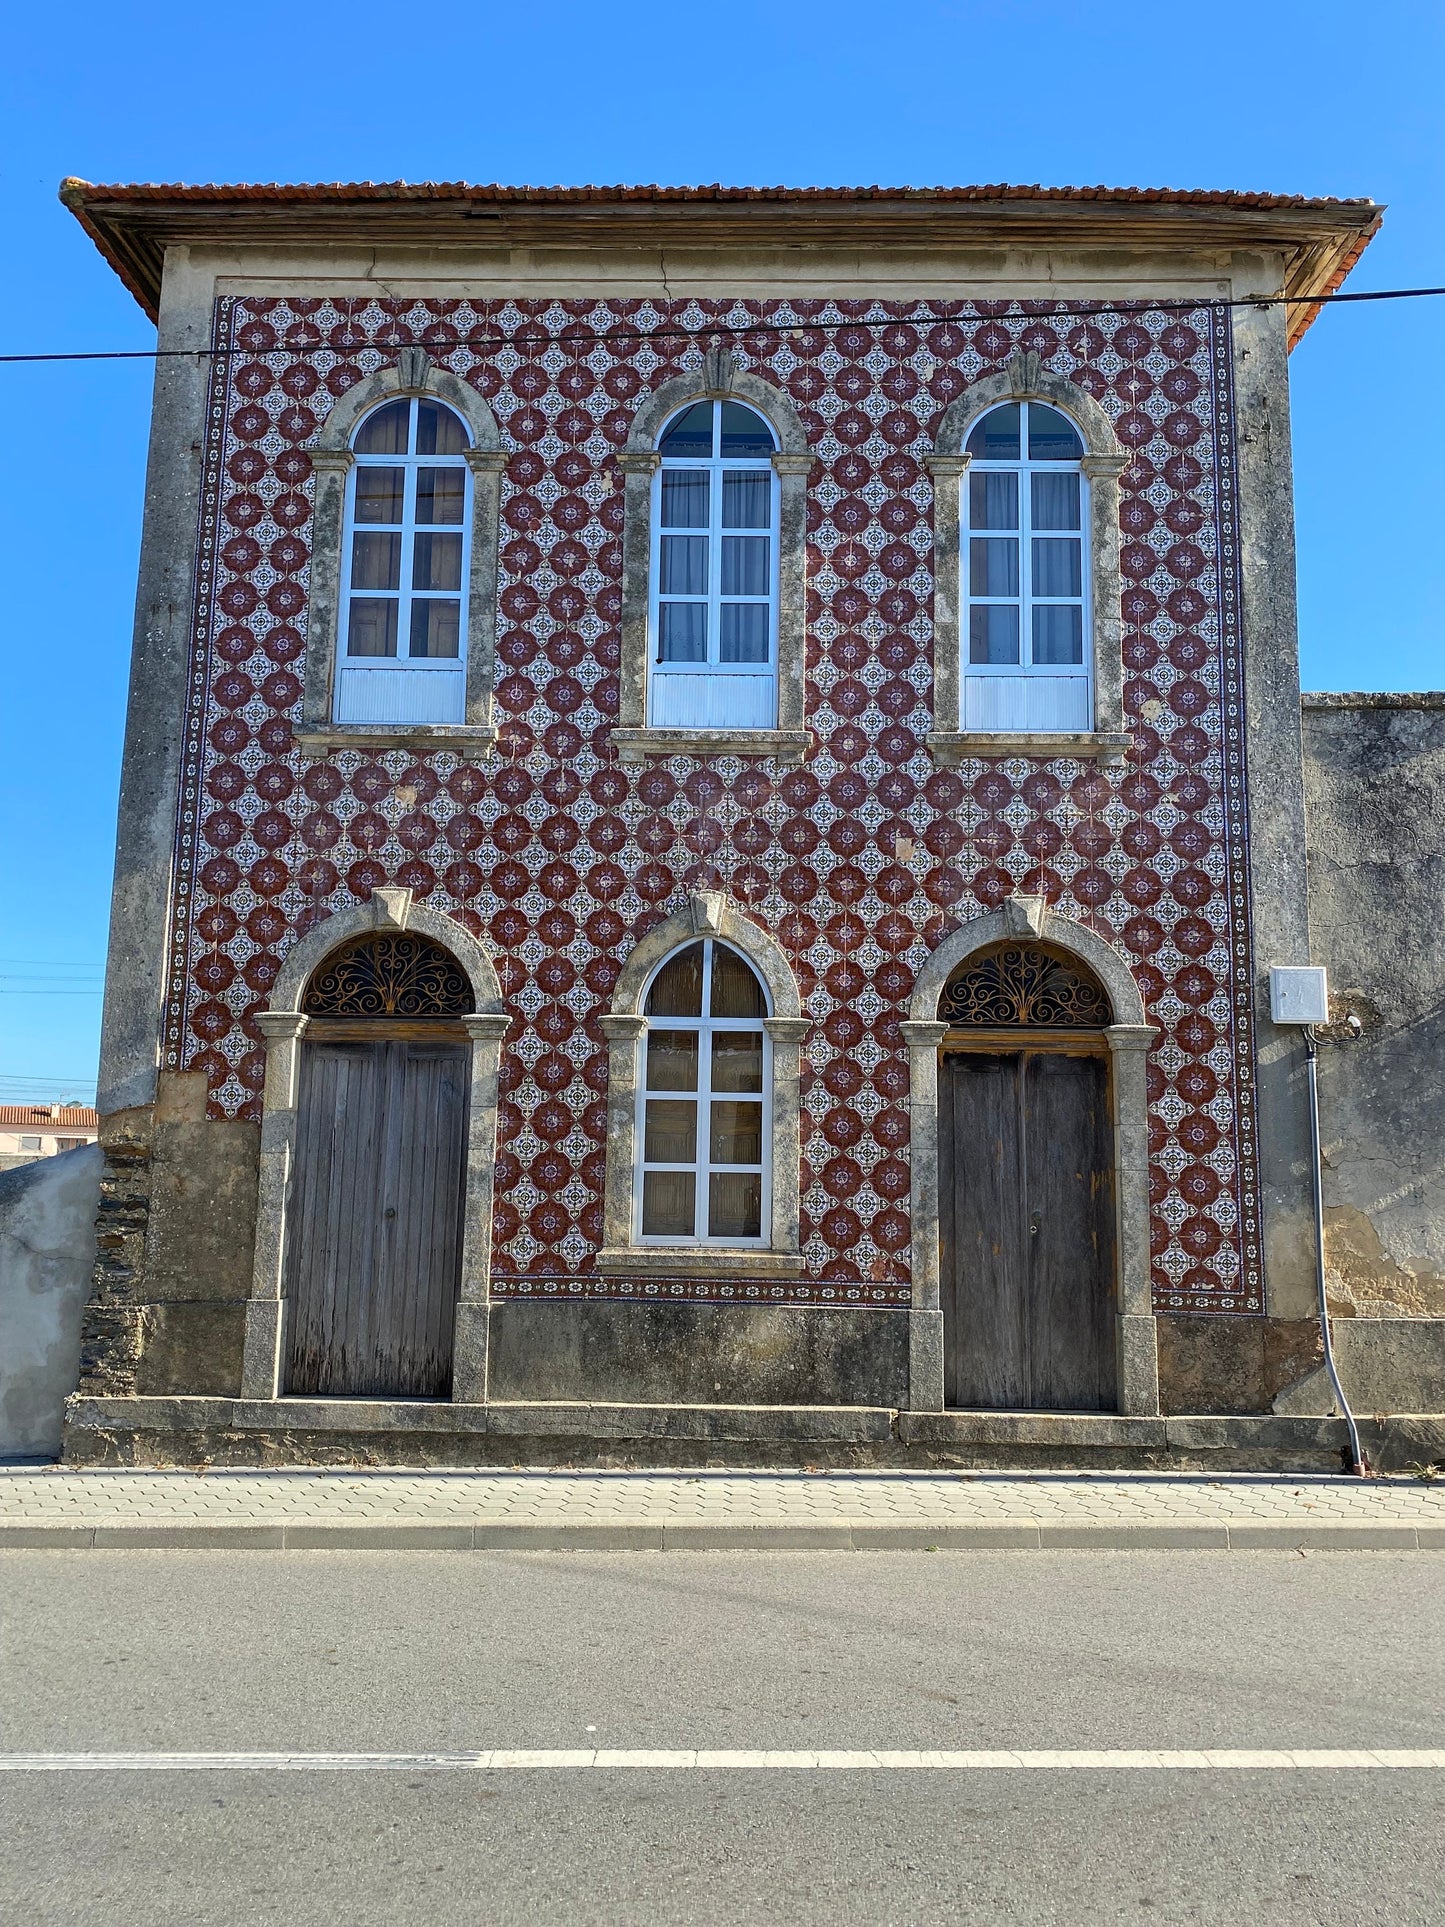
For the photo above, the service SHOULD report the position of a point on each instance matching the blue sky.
(1316, 98)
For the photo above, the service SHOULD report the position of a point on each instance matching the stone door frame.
(1129, 1038)
(283, 1024)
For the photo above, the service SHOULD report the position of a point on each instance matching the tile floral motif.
(559, 858)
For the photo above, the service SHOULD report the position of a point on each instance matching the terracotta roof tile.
(85, 191)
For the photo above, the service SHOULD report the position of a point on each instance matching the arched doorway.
(373, 1238)
(1026, 1159)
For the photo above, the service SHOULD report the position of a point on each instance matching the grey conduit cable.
(1358, 1463)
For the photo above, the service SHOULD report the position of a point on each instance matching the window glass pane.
(735, 1205)
(437, 562)
(371, 627)
(996, 437)
(379, 494)
(440, 493)
(684, 498)
(683, 627)
(743, 432)
(684, 565)
(993, 632)
(671, 1133)
(993, 501)
(672, 1060)
(1055, 501)
(745, 564)
(384, 432)
(438, 430)
(747, 500)
(436, 629)
(375, 561)
(993, 565)
(736, 992)
(691, 433)
(745, 627)
(1058, 566)
(737, 1132)
(677, 988)
(737, 1060)
(1058, 633)
(1052, 436)
(668, 1204)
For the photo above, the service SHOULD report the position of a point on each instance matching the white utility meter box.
(1299, 994)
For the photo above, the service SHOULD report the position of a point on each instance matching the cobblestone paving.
(541, 1509)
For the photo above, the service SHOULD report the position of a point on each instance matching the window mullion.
(408, 543)
(704, 1100)
(714, 562)
(1026, 556)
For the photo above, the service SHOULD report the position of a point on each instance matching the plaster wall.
(1374, 769)
(47, 1254)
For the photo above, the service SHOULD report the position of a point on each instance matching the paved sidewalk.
(547, 1511)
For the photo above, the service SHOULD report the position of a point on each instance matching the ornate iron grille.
(1016, 983)
(389, 976)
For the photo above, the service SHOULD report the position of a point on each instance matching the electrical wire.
(526, 336)
(1359, 1464)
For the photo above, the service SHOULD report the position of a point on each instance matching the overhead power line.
(528, 336)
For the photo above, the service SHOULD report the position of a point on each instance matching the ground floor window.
(702, 1175)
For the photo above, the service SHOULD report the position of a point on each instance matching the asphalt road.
(392, 1652)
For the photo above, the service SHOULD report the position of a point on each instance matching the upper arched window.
(1027, 644)
(703, 1173)
(714, 617)
(405, 563)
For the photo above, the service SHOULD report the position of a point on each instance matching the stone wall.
(47, 1253)
(1375, 794)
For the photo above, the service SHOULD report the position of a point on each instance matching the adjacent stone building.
(713, 778)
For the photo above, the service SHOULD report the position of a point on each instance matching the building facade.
(713, 781)
(32, 1131)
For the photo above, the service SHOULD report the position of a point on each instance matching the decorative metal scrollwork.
(1018, 983)
(389, 975)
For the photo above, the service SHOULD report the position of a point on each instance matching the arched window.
(402, 637)
(703, 1125)
(714, 616)
(1027, 647)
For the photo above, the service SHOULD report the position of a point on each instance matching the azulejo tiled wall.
(558, 857)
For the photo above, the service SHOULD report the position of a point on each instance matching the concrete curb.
(700, 1536)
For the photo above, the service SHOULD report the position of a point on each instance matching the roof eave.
(133, 226)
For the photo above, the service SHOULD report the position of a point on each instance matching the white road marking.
(563, 1759)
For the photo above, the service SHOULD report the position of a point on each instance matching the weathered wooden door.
(373, 1242)
(1027, 1231)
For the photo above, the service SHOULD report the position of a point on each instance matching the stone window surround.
(283, 1025)
(705, 914)
(332, 460)
(1104, 461)
(717, 380)
(1129, 1039)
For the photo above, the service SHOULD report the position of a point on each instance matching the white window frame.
(710, 672)
(450, 693)
(1078, 709)
(702, 1165)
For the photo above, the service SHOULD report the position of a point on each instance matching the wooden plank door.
(373, 1242)
(1027, 1231)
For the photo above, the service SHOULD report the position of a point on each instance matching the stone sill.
(636, 745)
(519, 1418)
(654, 1261)
(471, 744)
(1094, 745)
